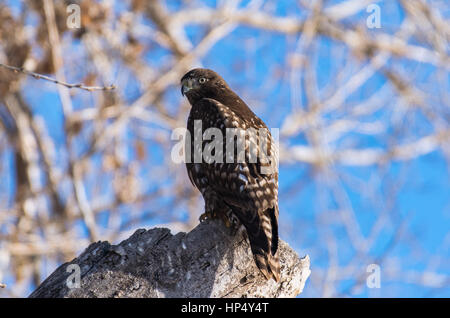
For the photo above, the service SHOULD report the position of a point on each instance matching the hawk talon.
(212, 215)
(204, 217)
(208, 216)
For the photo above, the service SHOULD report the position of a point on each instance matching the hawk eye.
(202, 80)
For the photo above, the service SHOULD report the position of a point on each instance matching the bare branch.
(44, 77)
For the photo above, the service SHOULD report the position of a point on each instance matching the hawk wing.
(246, 185)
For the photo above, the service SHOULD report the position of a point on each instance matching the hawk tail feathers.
(269, 265)
(264, 244)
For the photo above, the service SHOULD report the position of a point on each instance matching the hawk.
(237, 189)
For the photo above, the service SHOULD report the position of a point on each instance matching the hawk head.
(202, 83)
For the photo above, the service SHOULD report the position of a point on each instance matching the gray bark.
(206, 262)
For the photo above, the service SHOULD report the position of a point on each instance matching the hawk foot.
(208, 216)
(213, 215)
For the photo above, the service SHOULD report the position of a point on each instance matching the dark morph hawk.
(237, 189)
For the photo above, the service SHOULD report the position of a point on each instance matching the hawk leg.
(212, 204)
(216, 209)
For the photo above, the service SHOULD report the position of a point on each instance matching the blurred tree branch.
(44, 77)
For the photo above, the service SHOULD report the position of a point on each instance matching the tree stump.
(206, 262)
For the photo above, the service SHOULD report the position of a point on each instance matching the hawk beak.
(186, 85)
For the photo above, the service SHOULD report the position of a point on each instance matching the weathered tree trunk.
(206, 262)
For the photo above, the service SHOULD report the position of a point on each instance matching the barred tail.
(269, 265)
(263, 237)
